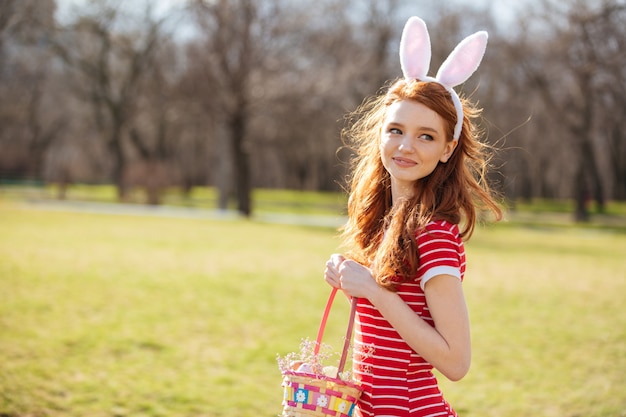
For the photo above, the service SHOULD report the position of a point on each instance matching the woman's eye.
(395, 131)
(426, 137)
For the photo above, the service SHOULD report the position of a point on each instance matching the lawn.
(113, 315)
(264, 200)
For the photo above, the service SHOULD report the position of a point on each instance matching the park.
(143, 315)
(174, 175)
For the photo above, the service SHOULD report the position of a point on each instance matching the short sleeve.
(441, 251)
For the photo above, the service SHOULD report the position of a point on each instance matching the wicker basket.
(307, 394)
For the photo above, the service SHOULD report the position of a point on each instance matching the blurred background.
(243, 94)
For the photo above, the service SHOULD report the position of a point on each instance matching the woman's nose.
(406, 144)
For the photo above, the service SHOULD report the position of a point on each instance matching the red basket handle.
(320, 332)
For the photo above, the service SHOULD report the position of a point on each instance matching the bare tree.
(258, 98)
(564, 63)
(338, 53)
(108, 61)
(610, 33)
(25, 80)
(195, 117)
(233, 32)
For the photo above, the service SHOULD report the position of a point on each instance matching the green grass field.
(264, 201)
(106, 315)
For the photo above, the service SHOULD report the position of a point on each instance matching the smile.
(404, 162)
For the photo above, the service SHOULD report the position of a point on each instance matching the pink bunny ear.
(415, 49)
(463, 60)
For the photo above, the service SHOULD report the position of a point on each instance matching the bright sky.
(64, 7)
(160, 7)
(506, 10)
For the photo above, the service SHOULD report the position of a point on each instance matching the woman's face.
(413, 142)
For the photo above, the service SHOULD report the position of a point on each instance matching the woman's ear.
(448, 150)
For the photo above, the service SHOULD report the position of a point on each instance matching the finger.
(331, 274)
(349, 264)
(331, 271)
(330, 265)
(345, 265)
(344, 283)
(337, 259)
(332, 281)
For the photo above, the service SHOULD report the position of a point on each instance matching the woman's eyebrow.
(420, 128)
(428, 129)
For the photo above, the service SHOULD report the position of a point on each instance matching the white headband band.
(415, 55)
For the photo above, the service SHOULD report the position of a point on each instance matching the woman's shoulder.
(441, 227)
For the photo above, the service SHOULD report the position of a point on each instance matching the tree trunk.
(581, 213)
(119, 164)
(241, 162)
(589, 159)
(223, 180)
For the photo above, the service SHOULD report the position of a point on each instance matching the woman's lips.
(404, 162)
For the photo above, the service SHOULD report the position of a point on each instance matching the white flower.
(322, 401)
(300, 396)
(343, 406)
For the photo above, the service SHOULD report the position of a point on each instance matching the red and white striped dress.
(397, 381)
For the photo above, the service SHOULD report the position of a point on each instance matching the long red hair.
(382, 235)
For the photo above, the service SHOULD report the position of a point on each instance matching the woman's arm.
(447, 346)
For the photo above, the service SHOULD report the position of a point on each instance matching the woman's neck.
(403, 192)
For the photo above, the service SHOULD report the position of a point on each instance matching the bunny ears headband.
(415, 55)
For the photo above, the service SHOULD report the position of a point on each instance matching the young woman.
(416, 187)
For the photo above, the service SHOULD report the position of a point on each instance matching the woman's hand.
(353, 278)
(331, 273)
(357, 280)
